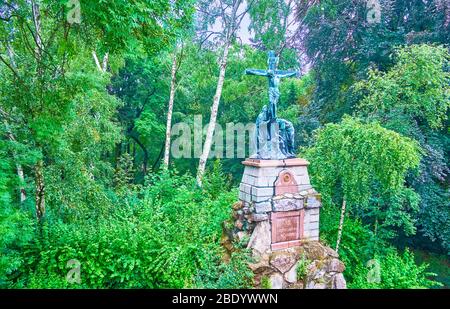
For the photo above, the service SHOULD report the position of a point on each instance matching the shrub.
(395, 271)
(169, 238)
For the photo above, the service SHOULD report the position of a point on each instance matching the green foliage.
(397, 271)
(270, 22)
(406, 88)
(438, 264)
(169, 239)
(99, 135)
(412, 98)
(16, 231)
(357, 153)
(359, 245)
(357, 242)
(217, 180)
(143, 25)
(16, 225)
(366, 165)
(265, 282)
(353, 45)
(232, 274)
(435, 214)
(124, 175)
(416, 86)
(302, 268)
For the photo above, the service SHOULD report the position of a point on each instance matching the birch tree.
(39, 167)
(41, 105)
(5, 116)
(363, 167)
(176, 62)
(229, 13)
(341, 225)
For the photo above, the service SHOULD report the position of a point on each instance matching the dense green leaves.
(416, 86)
(413, 99)
(394, 271)
(94, 131)
(353, 44)
(363, 159)
(168, 238)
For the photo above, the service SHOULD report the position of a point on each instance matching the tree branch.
(10, 67)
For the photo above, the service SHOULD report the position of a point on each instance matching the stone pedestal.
(277, 218)
(280, 192)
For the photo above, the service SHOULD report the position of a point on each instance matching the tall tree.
(364, 166)
(271, 21)
(227, 12)
(356, 42)
(176, 62)
(40, 85)
(356, 45)
(412, 98)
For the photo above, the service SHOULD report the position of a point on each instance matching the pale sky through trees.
(244, 34)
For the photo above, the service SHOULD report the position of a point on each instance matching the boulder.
(238, 224)
(283, 260)
(261, 238)
(237, 205)
(313, 250)
(339, 282)
(331, 252)
(336, 266)
(259, 217)
(291, 275)
(276, 281)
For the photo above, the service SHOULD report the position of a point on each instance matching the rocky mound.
(311, 265)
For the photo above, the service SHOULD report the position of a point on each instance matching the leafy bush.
(233, 274)
(169, 238)
(360, 245)
(355, 246)
(16, 225)
(302, 268)
(395, 271)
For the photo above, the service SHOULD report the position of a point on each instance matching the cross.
(274, 77)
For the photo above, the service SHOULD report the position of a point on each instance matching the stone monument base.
(307, 265)
(277, 218)
(280, 192)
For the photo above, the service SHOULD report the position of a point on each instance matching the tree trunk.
(212, 121)
(341, 225)
(161, 153)
(144, 149)
(104, 65)
(40, 189)
(11, 55)
(105, 62)
(170, 109)
(19, 169)
(39, 167)
(97, 62)
(134, 153)
(23, 194)
(20, 174)
(375, 229)
(232, 23)
(37, 25)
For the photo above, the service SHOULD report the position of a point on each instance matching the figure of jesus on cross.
(284, 130)
(274, 77)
